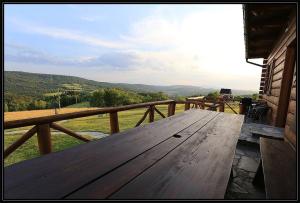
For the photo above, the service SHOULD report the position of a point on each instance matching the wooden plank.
(267, 131)
(35, 178)
(44, 138)
(280, 59)
(278, 158)
(197, 169)
(277, 76)
(276, 84)
(116, 179)
(278, 68)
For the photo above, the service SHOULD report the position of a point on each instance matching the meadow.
(60, 141)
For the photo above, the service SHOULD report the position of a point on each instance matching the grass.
(29, 150)
(80, 105)
(127, 120)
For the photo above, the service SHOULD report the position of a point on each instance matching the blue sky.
(154, 44)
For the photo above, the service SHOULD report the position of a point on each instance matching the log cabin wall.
(277, 57)
(280, 59)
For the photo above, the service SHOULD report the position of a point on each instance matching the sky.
(155, 44)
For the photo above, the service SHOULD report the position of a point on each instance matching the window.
(269, 78)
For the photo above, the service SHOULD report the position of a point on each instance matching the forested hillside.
(23, 91)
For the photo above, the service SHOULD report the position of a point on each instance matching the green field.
(29, 150)
(127, 120)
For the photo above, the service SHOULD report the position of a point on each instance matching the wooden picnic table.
(185, 156)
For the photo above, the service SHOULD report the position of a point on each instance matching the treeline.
(102, 97)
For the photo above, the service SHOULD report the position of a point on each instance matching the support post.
(114, 123)
(171, 109)
(44, 138)
(241, 109)
(187, 106)
(151, 114)
(221, 105)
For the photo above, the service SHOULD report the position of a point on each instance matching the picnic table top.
(185, 156)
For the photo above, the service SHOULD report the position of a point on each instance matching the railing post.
(151, 114)
(221, 105)
(114, 123)
(202, 105)
(187, 106)
(171, 108)
(241, 109)
(44, 138)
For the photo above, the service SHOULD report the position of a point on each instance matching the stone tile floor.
(245, 163)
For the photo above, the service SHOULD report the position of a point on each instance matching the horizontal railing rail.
(42, 125)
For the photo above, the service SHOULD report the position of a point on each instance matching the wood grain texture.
(279, 167)
(42, 177)
(197, 169)
(108, 184)
(44, 138)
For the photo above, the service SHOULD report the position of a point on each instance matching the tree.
(213, 95)
(73, 89)
(54, 97)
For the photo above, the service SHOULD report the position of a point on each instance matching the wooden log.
(68, 132)
(59, 117)
(160, 113)
(44, 138)
(187, 106)
(171, 108)
(241, 109)
(221, 105)
(151, 114)
(19, 142)
(143, 118)
(114, 123)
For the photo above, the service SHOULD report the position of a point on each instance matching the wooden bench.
(277, 169)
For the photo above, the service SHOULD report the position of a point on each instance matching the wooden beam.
(151, 114)
(59, 117)
(44, 138)
(68, 132)
(143, 118)
(171, 109)
(160, 113)
(285, 88)
(19, 142)
(114, 123)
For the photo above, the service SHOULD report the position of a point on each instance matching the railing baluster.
(151, 114)
(44, 138)
(114, 123)
(19, 142)
(171, 108)
(68, 132)
(187, 106)
(160, 113)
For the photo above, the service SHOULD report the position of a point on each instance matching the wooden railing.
(42, 125)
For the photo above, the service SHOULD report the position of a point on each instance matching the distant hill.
(34, 85)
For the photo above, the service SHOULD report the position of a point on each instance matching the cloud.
(107, 61)
(68, 34)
